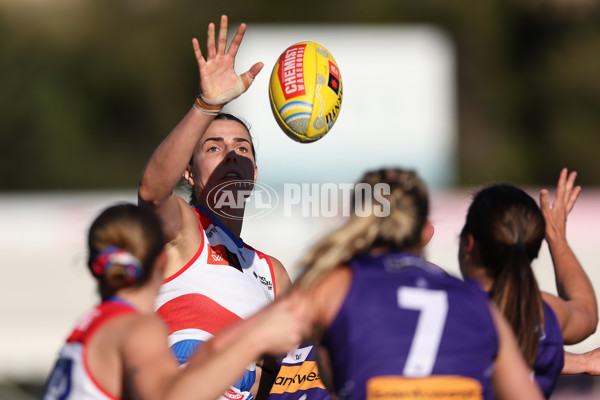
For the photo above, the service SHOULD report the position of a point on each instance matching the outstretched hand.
(219, 83)
(575, 306)
(556, 214)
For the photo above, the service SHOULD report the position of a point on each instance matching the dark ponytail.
(516, 293)
(508, 228)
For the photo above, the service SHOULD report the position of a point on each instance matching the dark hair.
(230, 117)
(508, 228)
(129, 228)
(225, 117)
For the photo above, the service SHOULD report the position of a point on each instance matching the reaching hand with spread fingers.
(219, 83)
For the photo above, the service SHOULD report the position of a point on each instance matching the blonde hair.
(407, 206)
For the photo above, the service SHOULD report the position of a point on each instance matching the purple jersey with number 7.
(407, 330)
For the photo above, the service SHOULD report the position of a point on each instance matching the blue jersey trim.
(238, 241)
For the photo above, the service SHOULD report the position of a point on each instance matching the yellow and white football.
(305, 91)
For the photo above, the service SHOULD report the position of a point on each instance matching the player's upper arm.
(281, 276)
(328, 295)
(575, 322)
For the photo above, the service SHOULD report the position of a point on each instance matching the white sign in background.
(398, 107)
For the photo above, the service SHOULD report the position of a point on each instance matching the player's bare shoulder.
(281, 276)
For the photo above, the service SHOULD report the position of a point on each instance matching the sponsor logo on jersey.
(211, 232)
(291, 71)
(264, 281)
(233, 395)
(428, 388)
(298, 355)
(220, 255)
(294, 378)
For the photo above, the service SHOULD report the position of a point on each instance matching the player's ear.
(469, 243)
(427, 233)
(189, 178)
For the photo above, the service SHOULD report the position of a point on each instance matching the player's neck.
(142, 298)
(231, 218)
(478, 274)
(233, 224)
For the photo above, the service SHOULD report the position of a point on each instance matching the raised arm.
(575, 306)
(219, 84)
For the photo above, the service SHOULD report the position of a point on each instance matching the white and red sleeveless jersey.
(71, 377)
(224, 282)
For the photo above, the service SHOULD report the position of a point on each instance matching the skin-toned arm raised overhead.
(218, 82)
(575, 306)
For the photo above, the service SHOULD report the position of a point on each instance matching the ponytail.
(508, 229)
(516, 293)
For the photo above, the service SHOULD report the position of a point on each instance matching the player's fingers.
(198, 52)
(222, 44)
(210, 42)
(544, 201)
(560, 186)
(237, 40)
(573, 198)
(247, 78)
(570, 183)
(254, 70)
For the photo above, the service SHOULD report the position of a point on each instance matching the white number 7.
(433, 307)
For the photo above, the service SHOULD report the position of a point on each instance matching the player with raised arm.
(502, 235)
(213, 277)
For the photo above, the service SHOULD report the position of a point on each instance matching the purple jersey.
(407, 330)
(550, 356)
(299, 377)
